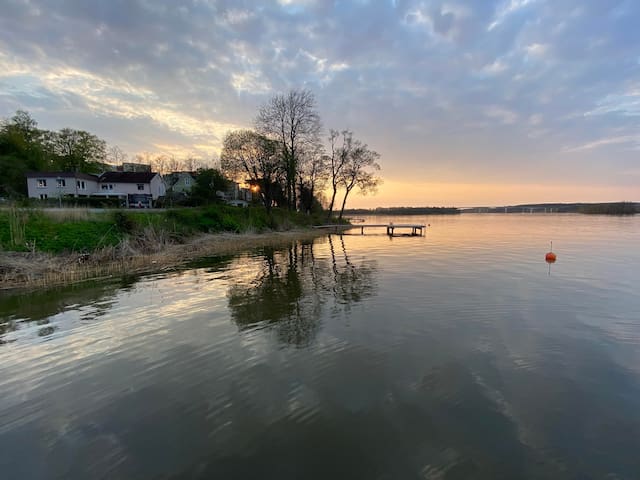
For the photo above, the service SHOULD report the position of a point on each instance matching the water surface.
(455, 355)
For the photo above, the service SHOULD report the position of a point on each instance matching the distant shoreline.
(403, 211)
(606, 208)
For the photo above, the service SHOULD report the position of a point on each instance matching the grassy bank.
(81, 231)
(53, 247)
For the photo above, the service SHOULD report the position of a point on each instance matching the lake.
(460, 354)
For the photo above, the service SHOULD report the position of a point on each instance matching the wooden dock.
(415, 229)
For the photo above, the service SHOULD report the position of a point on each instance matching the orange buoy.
(550, 257)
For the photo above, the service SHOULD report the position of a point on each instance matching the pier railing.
(415, 229)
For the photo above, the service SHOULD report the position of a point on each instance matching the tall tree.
(159, 164)
(77, 150)
(191, 163)
(312, 177)
(116, 156)
(208, 182)
(293, 121)
(247, 155)
(340, 151)
(359, 171)
(21, 150)
(173, 164)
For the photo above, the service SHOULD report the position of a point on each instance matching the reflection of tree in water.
(351, 283)
(292, 286)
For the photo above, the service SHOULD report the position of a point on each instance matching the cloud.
(627, 104)
(431, 84)
(503, 115)
(506, 9)
(631, 140)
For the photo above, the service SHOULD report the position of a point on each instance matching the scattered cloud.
(629, 140)
(627, 104)
(508, 8)
(431, 84)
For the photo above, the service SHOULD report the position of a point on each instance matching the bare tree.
(145, 158)
(293, 121)
(173, 164)
(337, 159)
(191, 163)
(159, 163)
(249, 156)
(312, 176)
(116, 156)
(359, 171)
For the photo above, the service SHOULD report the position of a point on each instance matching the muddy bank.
(31, 270)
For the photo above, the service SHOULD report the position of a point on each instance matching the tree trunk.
(344, 202)
(333, 200)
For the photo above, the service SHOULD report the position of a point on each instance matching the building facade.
(48, 185)
(135, 189)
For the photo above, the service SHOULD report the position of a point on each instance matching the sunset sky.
(469, 102)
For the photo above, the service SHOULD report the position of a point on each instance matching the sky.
(469, 103)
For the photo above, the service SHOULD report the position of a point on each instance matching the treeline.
(403, 211)
(611, 208)
(26, 148)
(619, 208)
(284, 158)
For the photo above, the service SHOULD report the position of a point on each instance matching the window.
(60, 182)
(141, 186)
(106, 186)
(43, 196)
(42, 182)
(187, 181)
(80, 184)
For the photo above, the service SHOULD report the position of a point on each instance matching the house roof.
(127, 177)
(84, 176)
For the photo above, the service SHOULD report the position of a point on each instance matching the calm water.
(452, 356)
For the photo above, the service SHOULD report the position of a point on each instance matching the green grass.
(25, 230)
(45, 234)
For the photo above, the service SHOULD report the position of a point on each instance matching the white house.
(139, 189)
(44, 185)
(135, 189)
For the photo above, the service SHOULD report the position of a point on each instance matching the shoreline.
(21, 272)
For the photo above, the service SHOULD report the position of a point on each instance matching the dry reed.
(152, 251)
(68, 214)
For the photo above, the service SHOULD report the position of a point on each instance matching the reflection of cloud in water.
(325, 415)
(60, 309)
(459, 370)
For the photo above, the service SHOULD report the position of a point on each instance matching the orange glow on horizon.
(417, 194)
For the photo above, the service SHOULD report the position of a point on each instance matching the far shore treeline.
(608, 208)
(289, 161)
(403, 211)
